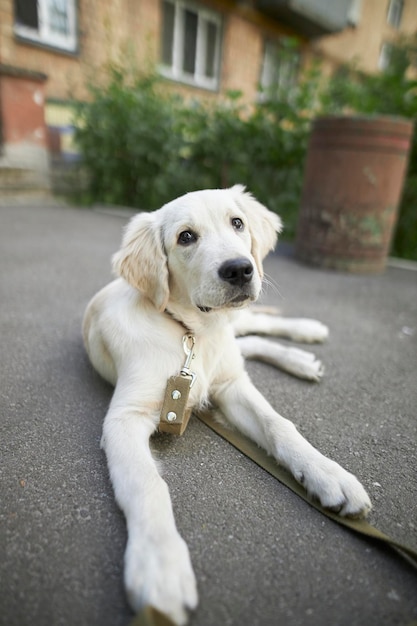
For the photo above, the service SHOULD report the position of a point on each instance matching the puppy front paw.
(159, 573)
(335, 488)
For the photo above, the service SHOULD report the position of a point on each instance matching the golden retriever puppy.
(187, 272)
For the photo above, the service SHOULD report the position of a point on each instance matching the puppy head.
(203, 250)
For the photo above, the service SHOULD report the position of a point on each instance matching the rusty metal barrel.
(353, 181)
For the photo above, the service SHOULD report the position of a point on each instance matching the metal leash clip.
(188, 342)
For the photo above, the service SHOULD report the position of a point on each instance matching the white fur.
(136, 345)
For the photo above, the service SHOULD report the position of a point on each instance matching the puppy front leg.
(157, 568)
(248, 411)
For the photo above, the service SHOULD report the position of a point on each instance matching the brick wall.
(122, 28)
(242, 56)
(106, 31)
(362, 43)
(24, 133)
(117, 29)
(22, 100)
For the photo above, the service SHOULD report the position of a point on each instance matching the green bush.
(128, 138)
(142, 146)
(229, 144)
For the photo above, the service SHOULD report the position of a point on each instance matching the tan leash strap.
(151, 617)
(268, 463)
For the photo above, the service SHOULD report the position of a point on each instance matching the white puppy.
(190, 268)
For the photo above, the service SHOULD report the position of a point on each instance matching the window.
(191, 40)
(50, 22)
(280, 66)
(354, 12)
(395, 11)
(385, 57)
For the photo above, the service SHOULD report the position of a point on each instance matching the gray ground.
(262, 556)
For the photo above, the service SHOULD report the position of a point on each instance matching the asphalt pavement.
(262, 556)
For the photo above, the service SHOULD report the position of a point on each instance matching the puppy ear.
(264, 225)
(141, 260)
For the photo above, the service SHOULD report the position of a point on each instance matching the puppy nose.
(237, 272)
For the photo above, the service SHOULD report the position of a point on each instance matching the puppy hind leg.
(304, 330)
(301, 329)
(298, 362)
(98, 353)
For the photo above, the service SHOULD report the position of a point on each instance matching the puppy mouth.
(234, 302)
(242, 298)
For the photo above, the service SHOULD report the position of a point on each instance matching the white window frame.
(175, 71)
(395, 13)
(44, 34)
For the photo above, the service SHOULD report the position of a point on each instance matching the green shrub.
(262, 146)
(128, 138)
(142, 146)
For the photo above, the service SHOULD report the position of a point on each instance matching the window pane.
(26, 12)
(211, 50)
(270, 66)
(280, 67)
(58, 16)
(395, 10)
(190, 41)
(168, 32)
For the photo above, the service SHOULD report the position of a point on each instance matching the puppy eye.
(186, 237)
(237, 223)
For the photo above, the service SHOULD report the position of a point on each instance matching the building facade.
(204, 48)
